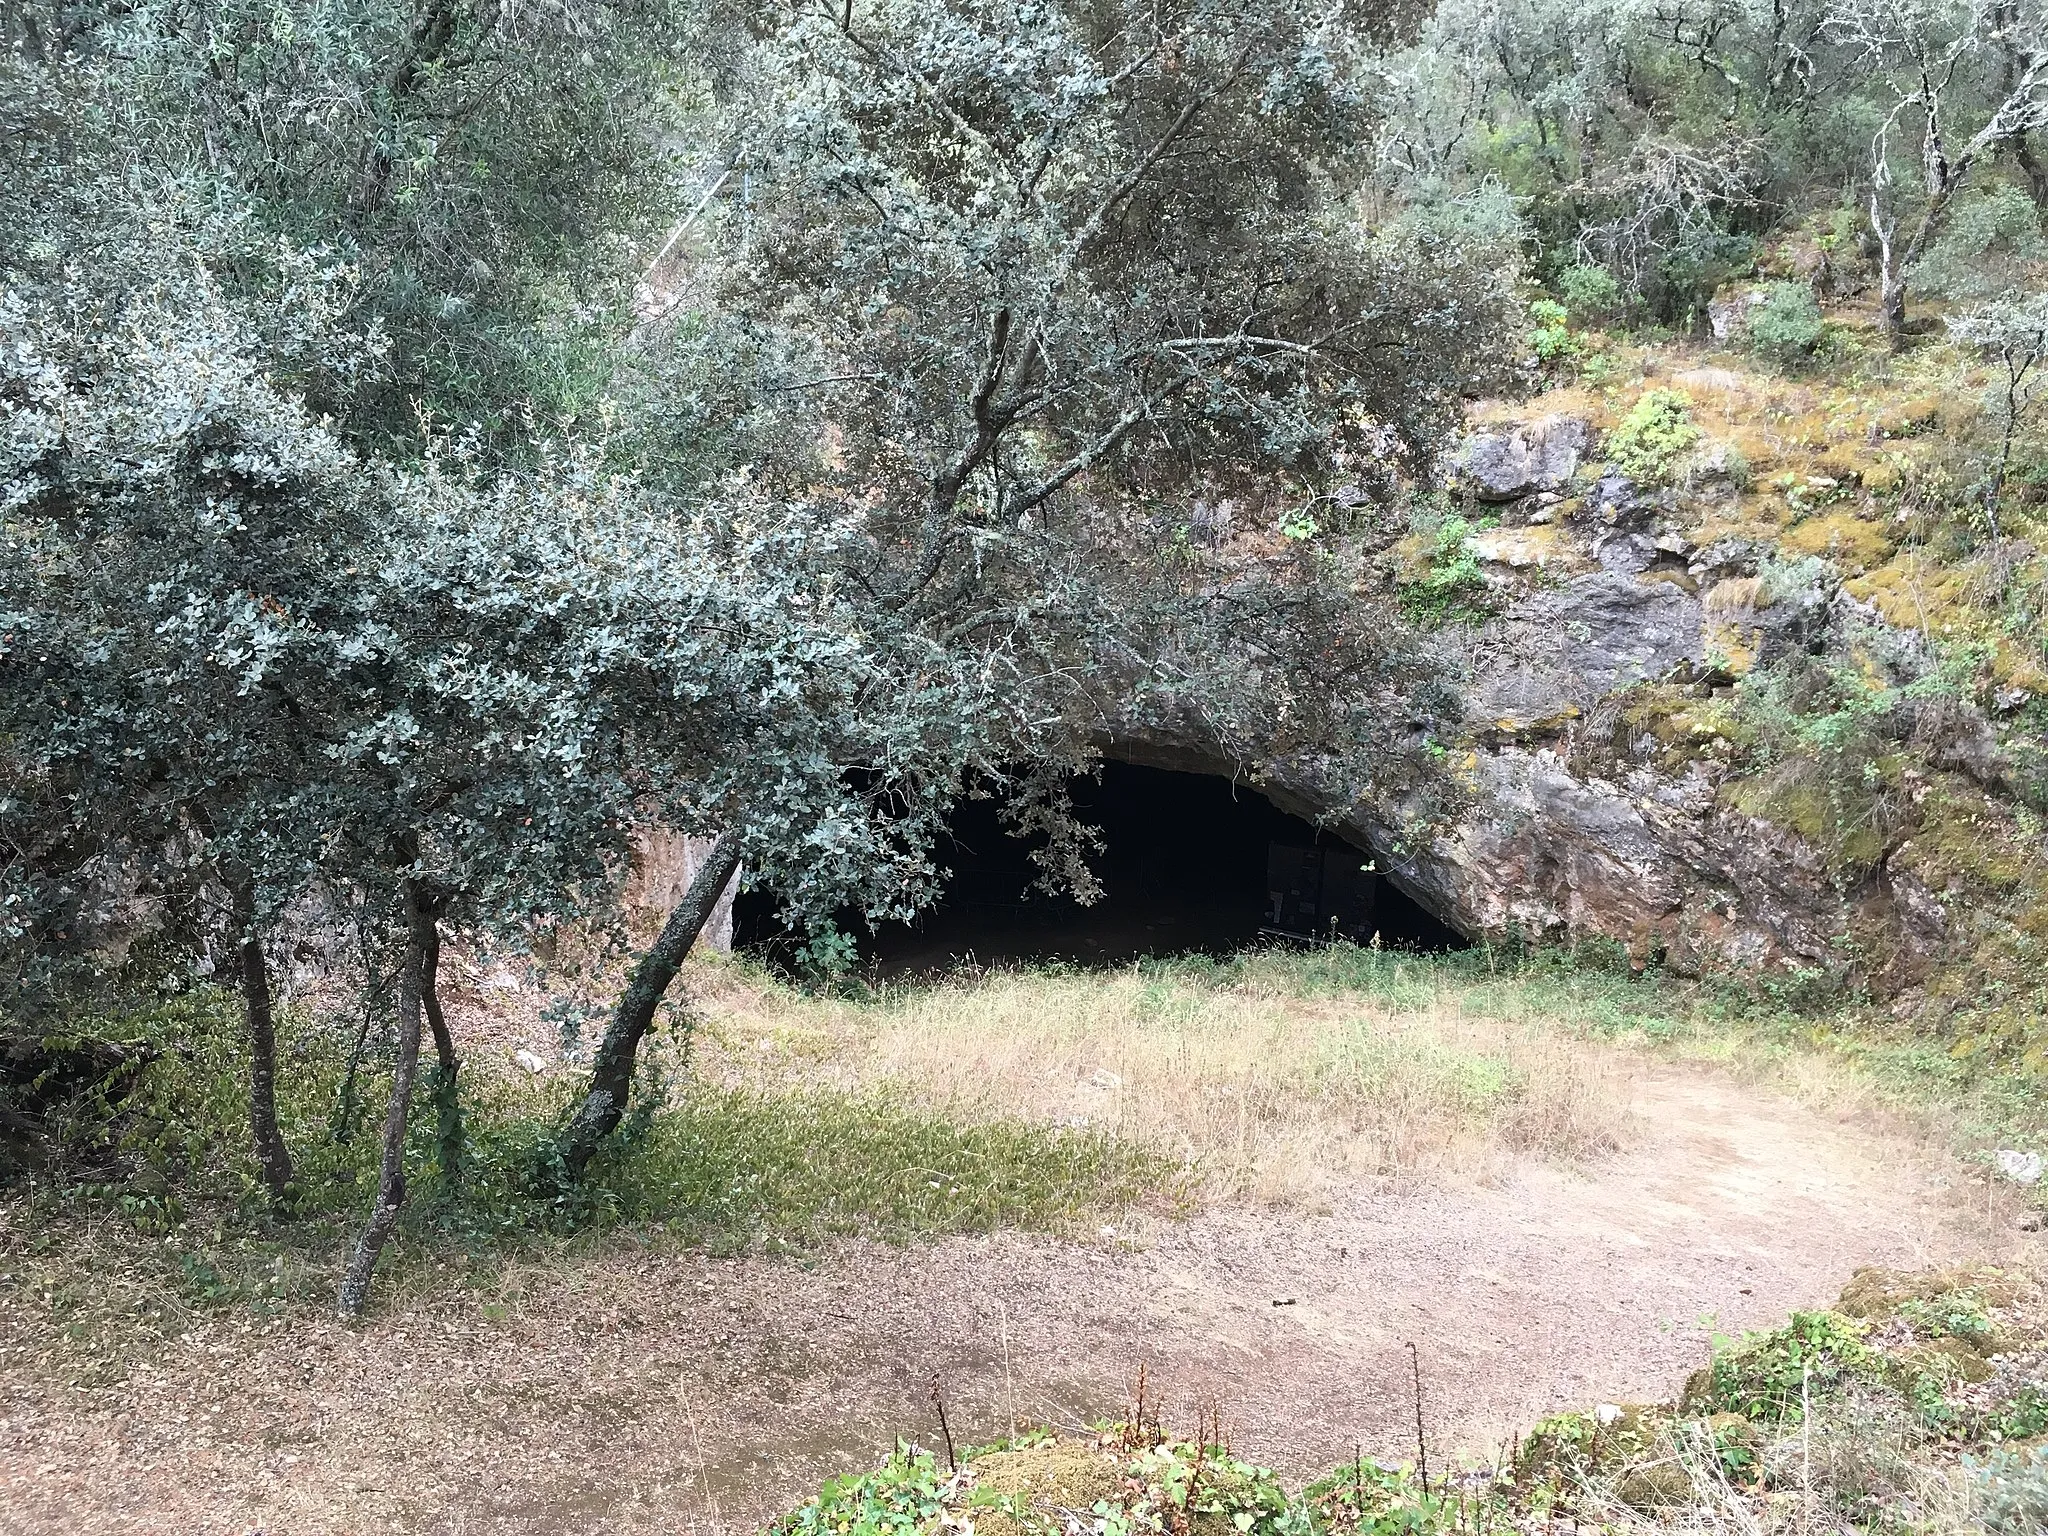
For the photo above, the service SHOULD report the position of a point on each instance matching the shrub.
(1768, 1376)
(1786, 327)
(1451, 588)
(1986, 248)
(1365, 1498)
(2015, 1493)
(1549, 336)
(1590, 293)
(1654, 436)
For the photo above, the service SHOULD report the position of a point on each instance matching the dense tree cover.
(365, 553)
(1654, 140)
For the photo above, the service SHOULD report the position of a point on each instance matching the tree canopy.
(366, 546)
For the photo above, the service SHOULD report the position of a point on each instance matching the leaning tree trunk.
(273, 1158)
(611, 1077)
(447, 1105)
(355, 1282)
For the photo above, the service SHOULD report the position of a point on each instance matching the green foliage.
(711, 1166)
(1786, 327)
(1649, 443)
(1658, 148)
(1549, 335)
(719, 1166)
(2014, 1492)
(1823, 737)
(1949, 1315)
(1590, 293)
(2013, 331)
(1158, 1486)
(1181, 1481)
(1767, 1376)
(1564, 1449)
(2022, 1417)
(1370, 1499)
(897, 1499)
(478, 179)
(1990, 245)
(1450, 587)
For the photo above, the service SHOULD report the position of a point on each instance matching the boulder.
(1626, 554)
(1728, 312)
(1508, 463)
(1615, 501)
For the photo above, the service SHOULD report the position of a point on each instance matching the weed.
(1449, 588)
(1649, 443)
(896, 1499)
(1769, 1377)
(2023, 1417)
(2014, 1489)
(1369, 1498)
(1549, 336)
(1950, 1315)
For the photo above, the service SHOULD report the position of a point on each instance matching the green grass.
(166, 1186)
(162, 1192)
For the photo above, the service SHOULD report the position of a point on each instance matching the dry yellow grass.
(1269, 1093)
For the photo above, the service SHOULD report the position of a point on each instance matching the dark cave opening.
(1191, 864)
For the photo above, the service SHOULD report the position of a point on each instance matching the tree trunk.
(355, 1282)
(273, 1158)
(1891, 308)
(447, 1105)
(2031, 167)
(611, 1077)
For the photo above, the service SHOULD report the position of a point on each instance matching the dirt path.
(665, 1392)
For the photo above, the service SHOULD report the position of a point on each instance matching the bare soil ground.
(667, 1391)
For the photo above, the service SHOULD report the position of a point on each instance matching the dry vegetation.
(1264, 1091)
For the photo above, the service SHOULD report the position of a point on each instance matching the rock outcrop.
(1521, 460)
(1609, 788)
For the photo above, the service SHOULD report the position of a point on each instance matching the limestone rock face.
(1599, 796)
(1518, 461)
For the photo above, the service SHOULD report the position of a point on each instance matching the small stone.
(530, 1061)
(2020, 1167)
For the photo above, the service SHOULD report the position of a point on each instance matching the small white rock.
(500, 980)
(2020, 1167)
(529, 1060)
(1607, 1413)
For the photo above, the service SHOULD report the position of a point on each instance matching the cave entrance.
(1191, 864)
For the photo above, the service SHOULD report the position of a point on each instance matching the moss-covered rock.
(1029, 1490)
